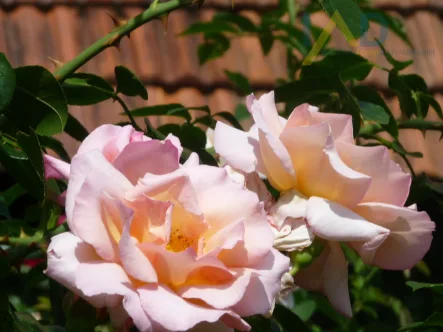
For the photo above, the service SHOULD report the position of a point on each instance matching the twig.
(114, 37)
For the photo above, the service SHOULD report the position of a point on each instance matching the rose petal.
(264, 284)
(160, 303)
(107, 282)
(221, 296)
(235, 146)
(91, 177)
(265, 114)
(334, 222)
(178, 268)
(341, 125)
(65, 253)
(153, 157)
(56, 168)
(320, 172)
(328, 273)
(277, 162)
(108, 139)
(134, 261)
(389, 183)
(409, 239)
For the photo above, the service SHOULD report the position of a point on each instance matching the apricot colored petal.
(277, 161)
(178, 268)
(389, 183)
(133, 259)
(341, 125)
(409, 239)
(175, 185)
(320, 171)
(221, 296)
(301, 116)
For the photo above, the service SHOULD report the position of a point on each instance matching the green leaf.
(206, 120)
(348, 65)
(300, 91)
(241, 112)
(4, 212)
(367, 94)
(305, 309)
(294, 37)
(230, 118)
(433, 321)
(266, 39)
(350, 106)
(25, 170)
(433, 103)
(81, 317)
(39, 101)
(215, 45)
(86, 89)
(288, 320)
(170, 128)
(31, 146)
(25, 322)
(75, 129)
(216, 26)
(243, 23)
(7, 82)
(398, 85)
(374, 112)
(240, 81)
(398, 65)
(206, 158)
(355, 21)
(56, 146)
(12, 193)
(168, 109)
(10, 227)
(388, 21)
(420, 285)
(129, 84)
(259, 323)
(192, 137)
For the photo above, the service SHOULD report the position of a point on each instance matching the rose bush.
(171, 247)
(330, 188)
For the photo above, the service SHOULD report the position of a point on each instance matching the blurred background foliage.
(34, 106)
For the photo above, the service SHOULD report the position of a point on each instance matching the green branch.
(155, 11)
(419, 124)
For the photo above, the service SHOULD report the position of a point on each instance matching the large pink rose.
(171, 247)
(330, 188)
(110, 140)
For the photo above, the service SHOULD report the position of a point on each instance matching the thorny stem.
(114, 37)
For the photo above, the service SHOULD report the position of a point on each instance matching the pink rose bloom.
(331, 189)
(108, 139)
(169, 247)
